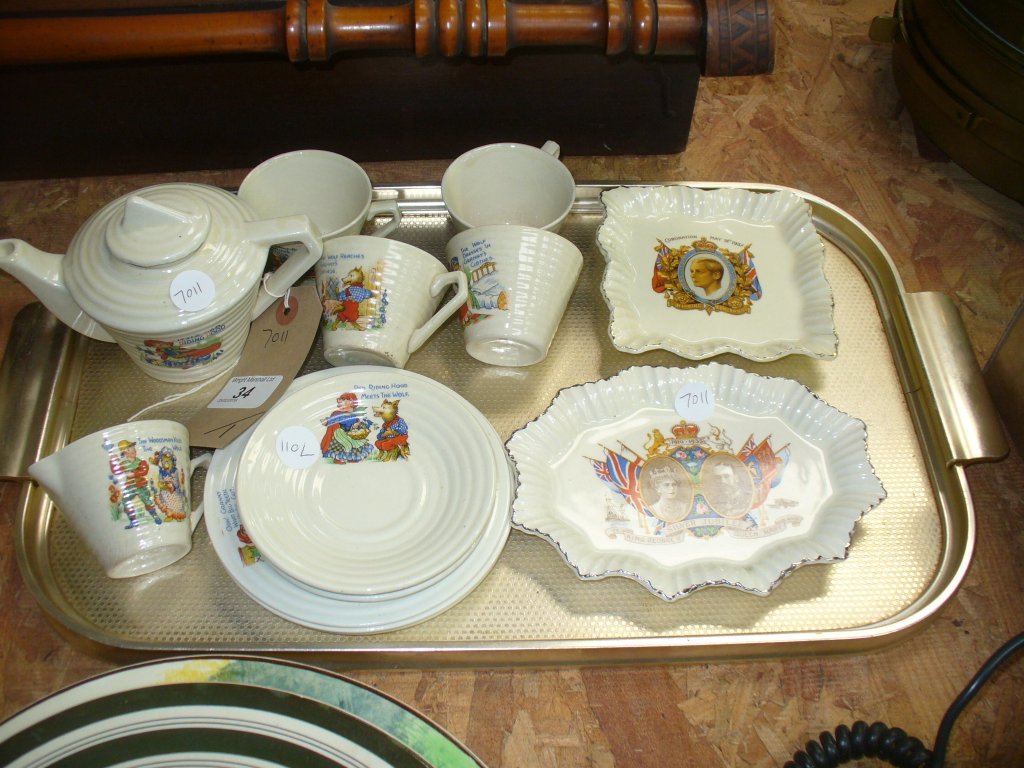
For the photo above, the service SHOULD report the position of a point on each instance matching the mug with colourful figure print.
(126, 490)
(520, 280)
(380, 299)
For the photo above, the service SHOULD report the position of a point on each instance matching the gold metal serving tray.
(904, 366)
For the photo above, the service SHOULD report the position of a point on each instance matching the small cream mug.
(331, 189)
(126, 490)
(520, 280)
(509, 183)
(380, 299)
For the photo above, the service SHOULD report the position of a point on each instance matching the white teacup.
(332, 190)
(509, 184)
(127, 492)
(520, 280)
(380, 299)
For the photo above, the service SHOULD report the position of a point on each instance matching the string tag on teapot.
(278, 343)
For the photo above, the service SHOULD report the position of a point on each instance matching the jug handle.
(202, 460)
(287, 229)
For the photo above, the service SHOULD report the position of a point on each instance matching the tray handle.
(969, 418)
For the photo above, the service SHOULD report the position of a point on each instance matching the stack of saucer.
(366, 500)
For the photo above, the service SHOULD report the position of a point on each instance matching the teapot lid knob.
(149, 234)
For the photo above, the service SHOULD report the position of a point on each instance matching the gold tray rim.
(944, 465)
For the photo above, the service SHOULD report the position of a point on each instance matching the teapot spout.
(43, 274)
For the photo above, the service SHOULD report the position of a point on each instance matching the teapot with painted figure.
(173, 273)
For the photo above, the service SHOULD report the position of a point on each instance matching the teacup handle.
(551, 148)
(286, 229)
(383, 207)
(202, 460)
(449, 308)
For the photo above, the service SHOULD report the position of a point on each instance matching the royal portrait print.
(704, 275)
(688, 483)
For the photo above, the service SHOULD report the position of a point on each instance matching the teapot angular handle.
(288, 229)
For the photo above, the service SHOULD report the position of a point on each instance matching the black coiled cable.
(893, 744)
(877, 740)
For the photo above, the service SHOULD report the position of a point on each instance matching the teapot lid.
(123, 261)
(148, 234)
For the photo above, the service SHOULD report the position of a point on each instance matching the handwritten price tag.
(192, 290)
(297, 447)
(278, 343)
(695, 401)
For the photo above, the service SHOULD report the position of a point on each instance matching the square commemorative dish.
(684, 478)
(704, 272)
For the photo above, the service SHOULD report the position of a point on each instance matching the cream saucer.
(331, 612)
(368, 482)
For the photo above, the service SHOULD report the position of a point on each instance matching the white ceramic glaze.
(768, 479)
(127, 492)
(331, 189)
(331, 612)
(380, 299)
(392, 497)
(520, 280)
(703, 272)
(509, 183)
(171, 272)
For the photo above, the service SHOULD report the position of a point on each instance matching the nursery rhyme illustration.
(146, 491)
(352, 298)
(357, 431)
(184, 353)
(488, 295)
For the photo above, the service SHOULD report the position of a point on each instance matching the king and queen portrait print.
(703, 274)
(146, 484)
(689, 483)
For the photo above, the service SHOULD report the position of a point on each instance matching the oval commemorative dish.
(703, 272)
(684, 478)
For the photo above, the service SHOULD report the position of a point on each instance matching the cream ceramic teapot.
(174, 273)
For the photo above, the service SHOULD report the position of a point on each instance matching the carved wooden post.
(732, 36)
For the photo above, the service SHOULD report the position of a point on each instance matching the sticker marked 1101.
(298, 447)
